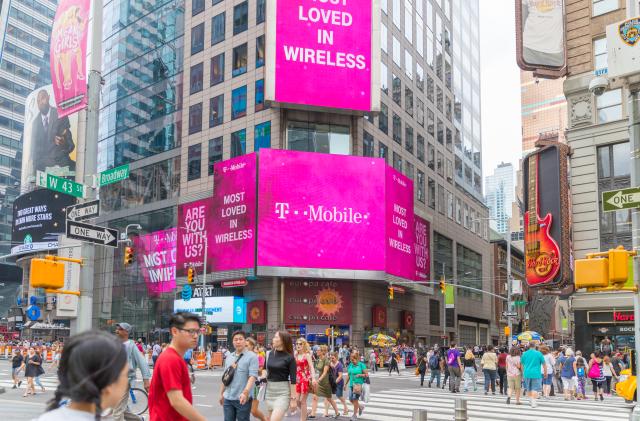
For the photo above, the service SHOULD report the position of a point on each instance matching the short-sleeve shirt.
(170, 373)
(16, 361)
(339, 368)
(353, 371)
(532, 361)
(452, 357)
(247, 367)
(512, 366)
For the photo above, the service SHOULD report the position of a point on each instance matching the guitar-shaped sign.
(541, 250)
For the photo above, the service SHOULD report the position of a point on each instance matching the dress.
(33, 370)
(303, 375)
(324, 386)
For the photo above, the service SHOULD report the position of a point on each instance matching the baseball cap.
(124, 326)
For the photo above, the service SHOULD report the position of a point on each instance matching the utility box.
(46, 273)
(591, 273)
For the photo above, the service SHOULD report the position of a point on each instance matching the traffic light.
(390, 293)
(190, 273)
(507, 331)
(46, 273)
(128, 255)
(443, 287)
(609, 270)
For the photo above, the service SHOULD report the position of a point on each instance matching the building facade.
(500, 197)
(599, 138)
(169, 66)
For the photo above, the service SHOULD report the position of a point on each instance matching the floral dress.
(303, 375)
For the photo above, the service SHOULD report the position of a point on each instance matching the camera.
(598, 85)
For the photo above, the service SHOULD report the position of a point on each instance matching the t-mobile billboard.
(323, 53)
(400, 260)
(421, 248)
(193, 220)
(157, 260)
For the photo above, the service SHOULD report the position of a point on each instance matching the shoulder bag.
(227, 376)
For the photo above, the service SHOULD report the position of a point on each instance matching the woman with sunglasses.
(355, 378)
(305, 376)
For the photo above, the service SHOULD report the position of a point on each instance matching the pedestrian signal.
(128, 255)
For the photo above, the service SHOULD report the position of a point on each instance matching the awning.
(601, 300)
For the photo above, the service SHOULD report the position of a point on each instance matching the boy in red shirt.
(170, 393)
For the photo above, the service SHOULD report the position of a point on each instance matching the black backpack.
(434, 362)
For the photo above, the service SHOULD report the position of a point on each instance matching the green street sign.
(621, 199)
(113, 175)
(61, 185)
(519, 303)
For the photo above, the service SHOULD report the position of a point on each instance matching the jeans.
(393, 366)
(422, 373)
(454, 381)
(234, 411)
(469, 378)
(446, 376)
(372, 366)
(502, 374)
(489, 378)
(435, 374)
(37, 381)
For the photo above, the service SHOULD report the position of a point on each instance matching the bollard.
(419, 415)
(460, 409)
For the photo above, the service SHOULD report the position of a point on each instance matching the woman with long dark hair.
(92, 374)
(281, 377)
(33, 365)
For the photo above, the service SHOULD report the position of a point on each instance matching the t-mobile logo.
(282, 209)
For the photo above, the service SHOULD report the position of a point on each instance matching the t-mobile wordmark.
(322, 214)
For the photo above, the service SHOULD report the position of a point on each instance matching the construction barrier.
(216, 359)
(50, 356)
(201, 358)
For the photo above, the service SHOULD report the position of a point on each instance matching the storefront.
(591, 327)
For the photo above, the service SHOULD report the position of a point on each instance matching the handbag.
(594, 371)
(227, 376)
(357, 389)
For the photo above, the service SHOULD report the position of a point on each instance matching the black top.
(281, 367)
(16, 361)
(33, 370)
(471, 362)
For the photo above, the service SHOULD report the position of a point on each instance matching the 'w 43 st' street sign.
(621, 199)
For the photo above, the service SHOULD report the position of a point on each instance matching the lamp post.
(204, 271)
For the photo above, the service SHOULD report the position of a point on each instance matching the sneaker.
(19, 383)
(508, 401)
(534, 404)
(14, 387)
(486, 393)
(360, 410)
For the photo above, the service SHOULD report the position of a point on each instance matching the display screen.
(156, 254)
(400, 260)
(217, 309)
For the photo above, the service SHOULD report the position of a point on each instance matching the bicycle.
(138, 400)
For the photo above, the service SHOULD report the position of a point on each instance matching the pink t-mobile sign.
(157, 260)
(193, 227)
(321, 53)
(400, 230)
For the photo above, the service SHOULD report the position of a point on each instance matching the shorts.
(533, 385)
(597, 384)
(14, 371)
(340, 391)
(278, 396)
(568, 383)
(515, 383)
(548, 381)
(352, 395)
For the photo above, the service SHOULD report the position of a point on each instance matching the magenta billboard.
(421, 248)
(157, 260)
(400, 232)
(322, 53)
(193, 223)
(320, 211)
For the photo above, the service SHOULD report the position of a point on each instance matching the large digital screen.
(193, 229)
(157, 260)
(217, 309)
(399, 225)
(320, 53)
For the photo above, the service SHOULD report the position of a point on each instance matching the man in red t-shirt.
(170, 394)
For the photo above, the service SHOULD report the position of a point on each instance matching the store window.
(217, 69)
(383, 152)
(609, 106)
(262, 136)
(408, 138)
(197, 38)
(613, 174)
(397, 161)
(259, 103)
(239, 60)
(216, 110)
(195, 84)
(315, 137)
(215, 153)
(239, 102)
(367, 144)
(197, 6)
(195, 118)
(260, 51)
(194, 162)
(600, 7)
(260, 11)
(217, 28)
(240, 17)
(420, 186)
(383, 118)
(238, 143)
(468, 335)
(397, 129)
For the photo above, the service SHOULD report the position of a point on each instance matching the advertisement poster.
(193, 216)
(400, 230)
(233, 220)
(317, 302)
(68, 52)
(38, 219)
(321, 211)
(421, 248)
(217, 309)
(157, 260)
(320, 49)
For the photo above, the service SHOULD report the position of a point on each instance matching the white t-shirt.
(549, 361)
(67, 414)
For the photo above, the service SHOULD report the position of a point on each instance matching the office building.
(500, 197)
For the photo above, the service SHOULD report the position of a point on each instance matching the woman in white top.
(609, 372)
(549, 362)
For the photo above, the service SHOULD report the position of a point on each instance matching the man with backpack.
(434, 368)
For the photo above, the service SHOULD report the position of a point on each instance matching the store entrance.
(321, 334)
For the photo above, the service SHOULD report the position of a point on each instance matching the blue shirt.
(188, 354)
(247, 367)
(532, 361)
(567, 367)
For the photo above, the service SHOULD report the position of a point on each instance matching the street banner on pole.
(449, 296)
(68, 52)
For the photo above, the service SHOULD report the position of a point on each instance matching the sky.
(500, 85)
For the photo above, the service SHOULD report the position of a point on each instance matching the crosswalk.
(49, 381)
(409, 375)
(398, 404)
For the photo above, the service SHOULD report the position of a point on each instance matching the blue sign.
(187, 292)
(33, 312)
(239, 310)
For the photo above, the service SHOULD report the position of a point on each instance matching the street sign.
(520, 303)
(621, 199)
(113, 175)
(82, 211)
(92, 233)
(234, 283)
(509, 314)
(61, 185)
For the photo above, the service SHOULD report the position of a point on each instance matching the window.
(449, 139)
(408, 138)
(449, 204)
(240, 17)
(214, 2)
(420, 148)
(420, 186)
(397, 161)
(440, 132)
(238, 143)
(197, 6)
(458, 211)
(384, 40)
(217, 29)
(431, 156)
(440, 163)
(216, 110)
(260, 51)
(397, 17)
(441, 203)
(262, 136)
(434, 305)
(609, 106)
(197, 71)
(316, 137)
(419, 77)
(614, 173)
(430, 123)
(215, 152)
(260, 11)
(419, 34)
(195, 118)
(431, 193)
(600, 7)
(383, 152)
(397, 129)
(217, 69)
(408, 21)
(194, 162)
(383, 118)
(469, 272)
(259, 106)
(197, 38)
(239, 102)
(439, 99)
(430, 88)
(383, 6)
(599, 54)
(367, 144)
(408, 169)
(239, 60)
(408, 100)
(384, 79)
(408, 64)
(397, 52)
(396, 86)
(420, 112)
